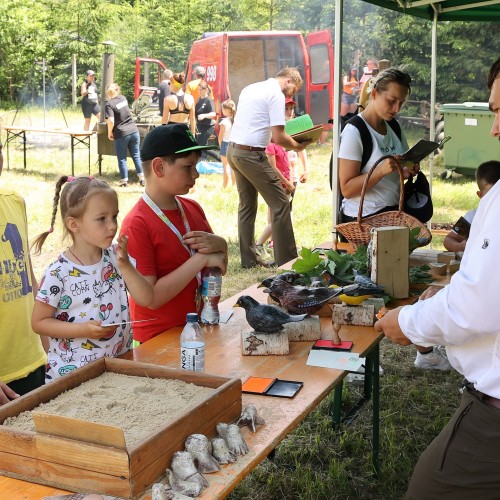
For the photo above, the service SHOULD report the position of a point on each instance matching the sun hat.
(289, 100)
(168, 140)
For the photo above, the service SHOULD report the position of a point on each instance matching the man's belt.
(492, 401)
(246, 148)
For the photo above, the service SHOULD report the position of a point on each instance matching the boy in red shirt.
(169, 236)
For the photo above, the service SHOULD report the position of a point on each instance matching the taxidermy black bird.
(265, 318)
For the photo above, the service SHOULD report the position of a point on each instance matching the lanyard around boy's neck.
(157, 210)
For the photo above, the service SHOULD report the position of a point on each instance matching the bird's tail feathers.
(297, 317)
(348, 288)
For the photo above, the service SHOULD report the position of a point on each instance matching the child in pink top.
(278, 159)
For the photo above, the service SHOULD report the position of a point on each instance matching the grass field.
(313, 462)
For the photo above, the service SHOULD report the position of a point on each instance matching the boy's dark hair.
(488, 172)
(494, 73)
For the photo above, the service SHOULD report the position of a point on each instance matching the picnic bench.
(224, 357)
(77, 137)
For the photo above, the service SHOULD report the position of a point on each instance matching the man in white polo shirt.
(261, 117)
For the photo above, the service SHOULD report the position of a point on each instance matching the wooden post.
(390, 260)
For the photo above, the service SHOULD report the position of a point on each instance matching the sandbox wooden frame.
(88, 467)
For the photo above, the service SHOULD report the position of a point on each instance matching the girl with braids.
(81, 302)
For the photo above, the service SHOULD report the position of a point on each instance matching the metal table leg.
(336, 405)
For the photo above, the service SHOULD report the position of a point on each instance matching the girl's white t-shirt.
(386, 192)
(82, 293)
(227, 128)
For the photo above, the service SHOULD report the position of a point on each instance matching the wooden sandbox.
(105, 465)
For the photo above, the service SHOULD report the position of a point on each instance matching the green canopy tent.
(433, 10)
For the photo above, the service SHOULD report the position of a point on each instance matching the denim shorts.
(348, 98)
(223, 148)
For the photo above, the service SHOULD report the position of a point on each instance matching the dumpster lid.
(465, 106)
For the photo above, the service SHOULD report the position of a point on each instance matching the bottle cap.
(192, 318)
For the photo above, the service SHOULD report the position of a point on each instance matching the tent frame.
(439, 10)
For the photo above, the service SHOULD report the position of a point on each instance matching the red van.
(235, 59)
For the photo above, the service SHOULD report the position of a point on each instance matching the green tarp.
(447, 10)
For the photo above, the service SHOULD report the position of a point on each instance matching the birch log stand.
(307, 330)
(255, 343)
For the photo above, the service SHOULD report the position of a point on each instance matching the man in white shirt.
(261, 117)
(464, 460)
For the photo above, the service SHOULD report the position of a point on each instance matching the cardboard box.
(80, 465)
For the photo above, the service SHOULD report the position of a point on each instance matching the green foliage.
(342, 265)
(54, 30)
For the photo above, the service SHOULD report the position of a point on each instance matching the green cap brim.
(196, 148)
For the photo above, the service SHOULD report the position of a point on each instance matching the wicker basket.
(358, 232)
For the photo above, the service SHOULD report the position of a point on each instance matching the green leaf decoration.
(307, 261)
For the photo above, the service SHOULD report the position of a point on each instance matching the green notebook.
(298, 124)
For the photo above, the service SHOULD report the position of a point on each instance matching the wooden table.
(76, 137)
(223, 357)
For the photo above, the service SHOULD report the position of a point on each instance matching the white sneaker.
(262, 252)
(434, 360)
(358, 377)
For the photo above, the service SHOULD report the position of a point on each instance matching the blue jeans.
(131, 143)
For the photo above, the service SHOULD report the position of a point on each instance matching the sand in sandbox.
(138, 405)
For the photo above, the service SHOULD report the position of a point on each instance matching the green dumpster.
(469, 125)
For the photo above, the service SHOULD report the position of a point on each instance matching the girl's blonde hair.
(73, 202)
(113, 89)
(229, 104)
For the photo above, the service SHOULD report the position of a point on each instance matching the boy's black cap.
(168, 140)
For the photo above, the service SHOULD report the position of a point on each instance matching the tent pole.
(339, 18)
(432, 115)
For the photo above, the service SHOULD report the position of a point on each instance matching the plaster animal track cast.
(200, 449)
(233, 438)
(250, 418)
(160, 492)
(221, 452)
(183, 466)
(189, 488)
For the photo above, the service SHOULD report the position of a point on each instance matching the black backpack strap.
(396, 127)
(366, 138)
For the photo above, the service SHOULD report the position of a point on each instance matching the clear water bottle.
(210, 294)
(192, 345)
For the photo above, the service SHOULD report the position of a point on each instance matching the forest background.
(54, 30)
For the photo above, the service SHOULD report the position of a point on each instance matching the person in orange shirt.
(350, 91)
(192, 88)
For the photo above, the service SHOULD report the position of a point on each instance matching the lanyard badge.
(156, 209)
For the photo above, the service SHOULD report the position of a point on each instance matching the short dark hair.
(488, 172)
(494, 73)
